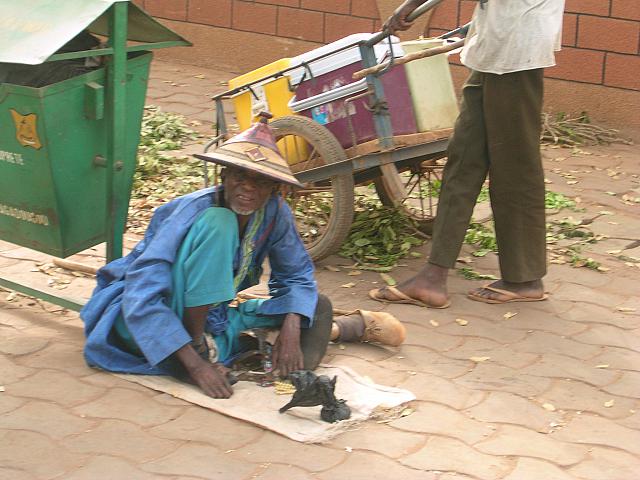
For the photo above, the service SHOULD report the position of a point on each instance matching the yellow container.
(434, 99)
(273, 94)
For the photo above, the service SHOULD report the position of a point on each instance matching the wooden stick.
(428, 52)
(75, 266)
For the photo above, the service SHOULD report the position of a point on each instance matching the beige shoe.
(382, 327)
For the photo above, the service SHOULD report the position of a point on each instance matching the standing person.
(168, 307)
(497, 133)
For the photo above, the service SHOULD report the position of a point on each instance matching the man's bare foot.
(501, 291)
(428, 287)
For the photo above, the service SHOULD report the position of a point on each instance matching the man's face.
(245, 191)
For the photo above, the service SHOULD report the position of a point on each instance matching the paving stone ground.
(557, 398)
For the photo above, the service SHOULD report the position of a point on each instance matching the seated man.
(166, 308)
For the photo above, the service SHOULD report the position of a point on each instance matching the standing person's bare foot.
(501, 291)
(427, 289)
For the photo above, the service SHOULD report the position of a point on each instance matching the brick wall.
(600, 41)
(320, 21)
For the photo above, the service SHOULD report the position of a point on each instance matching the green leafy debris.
(379, 235)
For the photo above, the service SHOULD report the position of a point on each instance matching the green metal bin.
(68, 150)
(53, 145)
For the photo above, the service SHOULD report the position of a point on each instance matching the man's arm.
(287, 353)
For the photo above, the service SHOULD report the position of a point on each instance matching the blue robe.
(139, 286)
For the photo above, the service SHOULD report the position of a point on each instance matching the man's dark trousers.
(497, 133)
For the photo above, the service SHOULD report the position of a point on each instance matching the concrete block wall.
(321, 21)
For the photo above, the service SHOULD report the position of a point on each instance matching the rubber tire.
(331, 151)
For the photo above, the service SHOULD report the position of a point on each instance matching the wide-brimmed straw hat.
(255, 150)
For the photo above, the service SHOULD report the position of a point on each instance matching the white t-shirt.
(513, 35)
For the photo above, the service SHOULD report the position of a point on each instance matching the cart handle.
(428, 5)
(428, 52)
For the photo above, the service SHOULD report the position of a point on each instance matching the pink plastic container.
(333, 99)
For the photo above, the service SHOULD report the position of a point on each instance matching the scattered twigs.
(574, 131)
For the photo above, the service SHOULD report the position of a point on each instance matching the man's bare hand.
(287, 354)
(212, 379)
(398, 20)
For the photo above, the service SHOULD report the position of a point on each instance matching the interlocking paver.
(14, 343)
(450, 455)
(574, 292)
(36, 454)
(502, 407)
(276, 449)
(595, 314)
(501, 354)
(579, 396)
(383, 439)
(11, 372)
(59, 356)
(491, 329)
(109, 468)
(544, 343)
(46, 418)
(609, 336)
(493, 377)
(438, 419)
(617, 358)
(627, 386)
(430, 337)
(599, 431)
(532, 355)
(120, 439)
(358, 466)
(561, 366)
(421, 359)
(270, 471)
(12, 474)
(518, 441)
(124, 404)
(607, 463)
(426, 386)
(375, 371)
(9, 403)
(56, 386)
(200, 425)
(532, 469)
(200, 461)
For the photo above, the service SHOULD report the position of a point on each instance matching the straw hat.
(255, 150)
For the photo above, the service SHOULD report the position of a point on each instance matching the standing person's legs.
(513, 104)
(464, 173)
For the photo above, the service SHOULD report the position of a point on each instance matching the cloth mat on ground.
(259, 405)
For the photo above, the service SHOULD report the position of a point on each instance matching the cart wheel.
(323, 209)
(414, 190)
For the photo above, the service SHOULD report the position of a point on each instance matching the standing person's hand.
(398, 20)
(287, 353)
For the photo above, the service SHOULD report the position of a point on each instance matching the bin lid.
(33, 30)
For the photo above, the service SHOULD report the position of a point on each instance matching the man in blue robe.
(167, 307)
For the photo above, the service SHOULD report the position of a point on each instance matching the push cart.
(405, 168)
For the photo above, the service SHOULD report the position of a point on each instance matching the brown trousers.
(497, 133)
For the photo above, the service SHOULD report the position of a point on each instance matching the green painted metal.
(71, 303)
(68, 150)
(53, 198)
